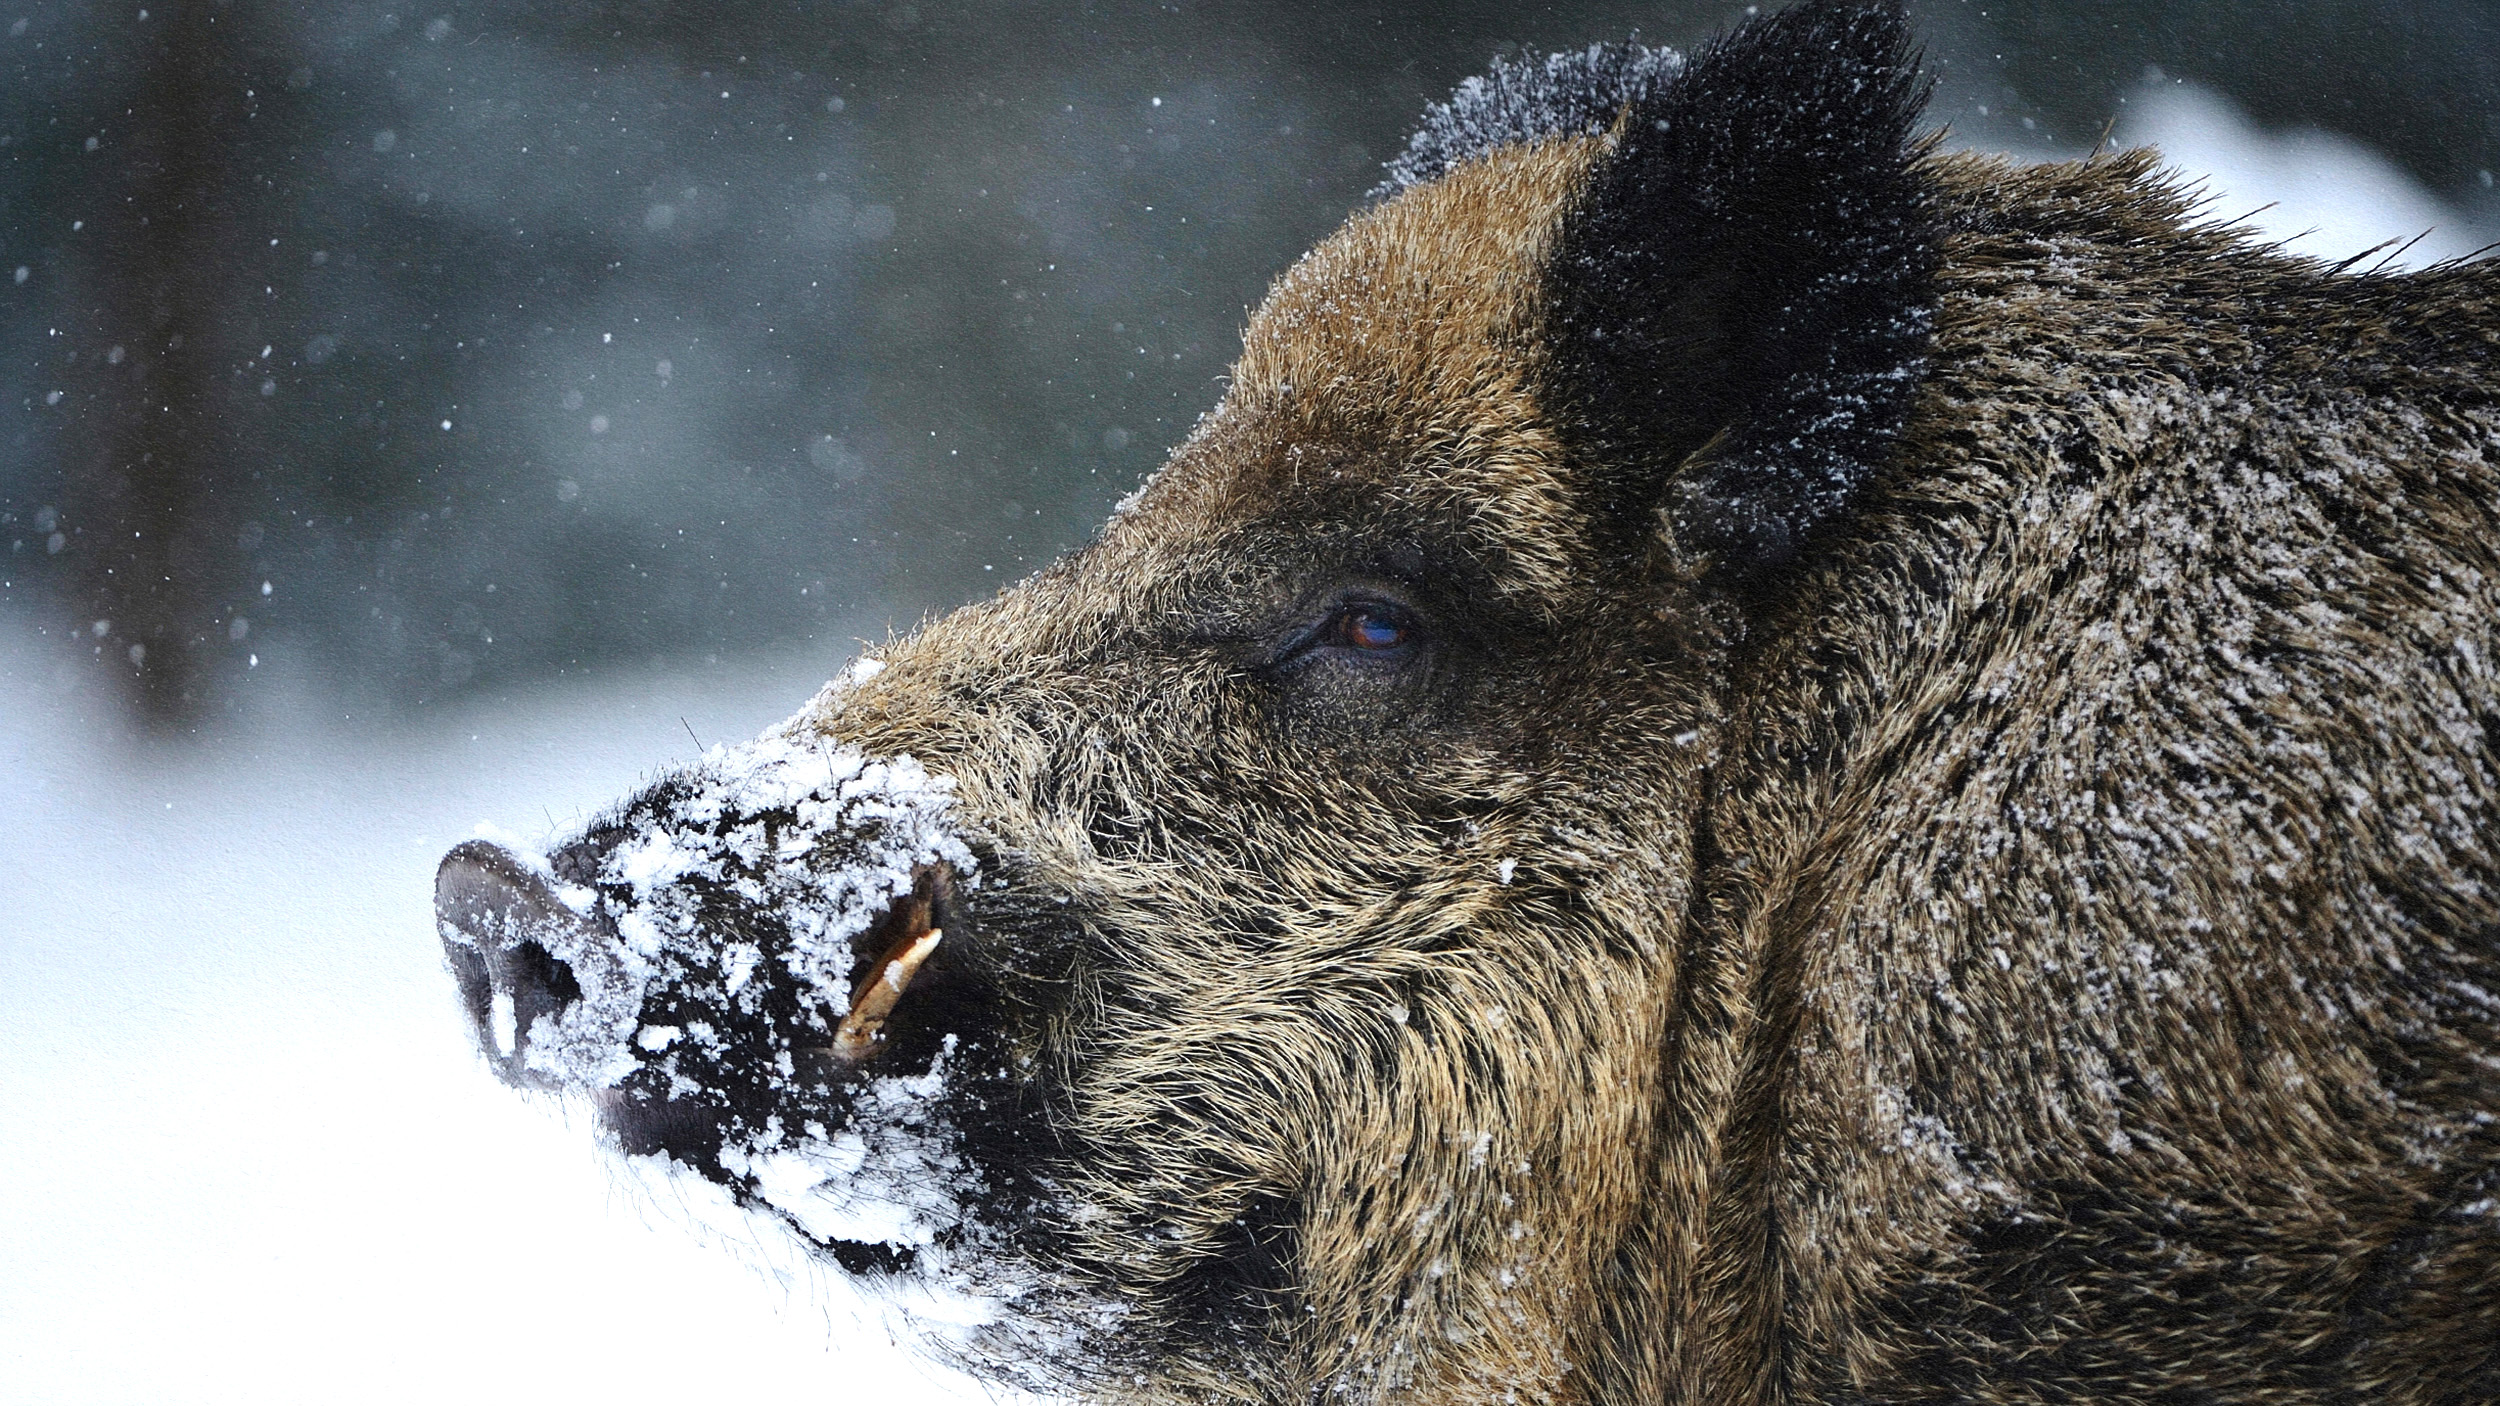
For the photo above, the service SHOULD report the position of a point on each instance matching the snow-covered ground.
(2314, 192)
(245, 1152)
(248, 1154)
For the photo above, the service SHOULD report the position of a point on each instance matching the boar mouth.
(902, 940)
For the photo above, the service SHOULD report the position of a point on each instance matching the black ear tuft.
(1741, 302)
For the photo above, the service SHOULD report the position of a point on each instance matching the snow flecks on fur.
(818, 835)
(1527, 99)
(823, 840)
(862, 669)
(891, 1176)
(762, 822)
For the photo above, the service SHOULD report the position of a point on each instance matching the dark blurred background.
(392, 351)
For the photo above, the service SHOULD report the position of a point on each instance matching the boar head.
(1247, 950)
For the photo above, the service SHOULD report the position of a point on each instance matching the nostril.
(491, 911)
(529, 982)
(530, 971)
(503, 1025)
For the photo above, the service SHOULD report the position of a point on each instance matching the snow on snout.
(891, 1178)
(827, 840)
(818, 834)
(858, 830)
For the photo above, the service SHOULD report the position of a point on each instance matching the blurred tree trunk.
(159, 429)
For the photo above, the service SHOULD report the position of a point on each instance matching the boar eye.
(1372, 628)
(1354, 647)
(1362, 631)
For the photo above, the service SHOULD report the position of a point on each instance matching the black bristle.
(1751, 272)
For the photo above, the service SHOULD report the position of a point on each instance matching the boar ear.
(1740, 301)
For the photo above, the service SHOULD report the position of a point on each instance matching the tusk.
(863, 1029)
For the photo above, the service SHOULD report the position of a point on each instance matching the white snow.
(886, 1180)
(2316, 192)
(250, 1155)
(504, 1025)
(2321, 194)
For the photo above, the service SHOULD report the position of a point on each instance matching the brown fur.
(1456, 1223)
(2116, 843)
(2100, 848)
(2041, 944)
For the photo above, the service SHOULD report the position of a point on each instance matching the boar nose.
(495, 916)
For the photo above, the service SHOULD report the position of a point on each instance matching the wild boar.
(1747, 763)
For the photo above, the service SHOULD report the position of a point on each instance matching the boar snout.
(497, 918)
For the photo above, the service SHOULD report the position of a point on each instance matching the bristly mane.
(1527, 99)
